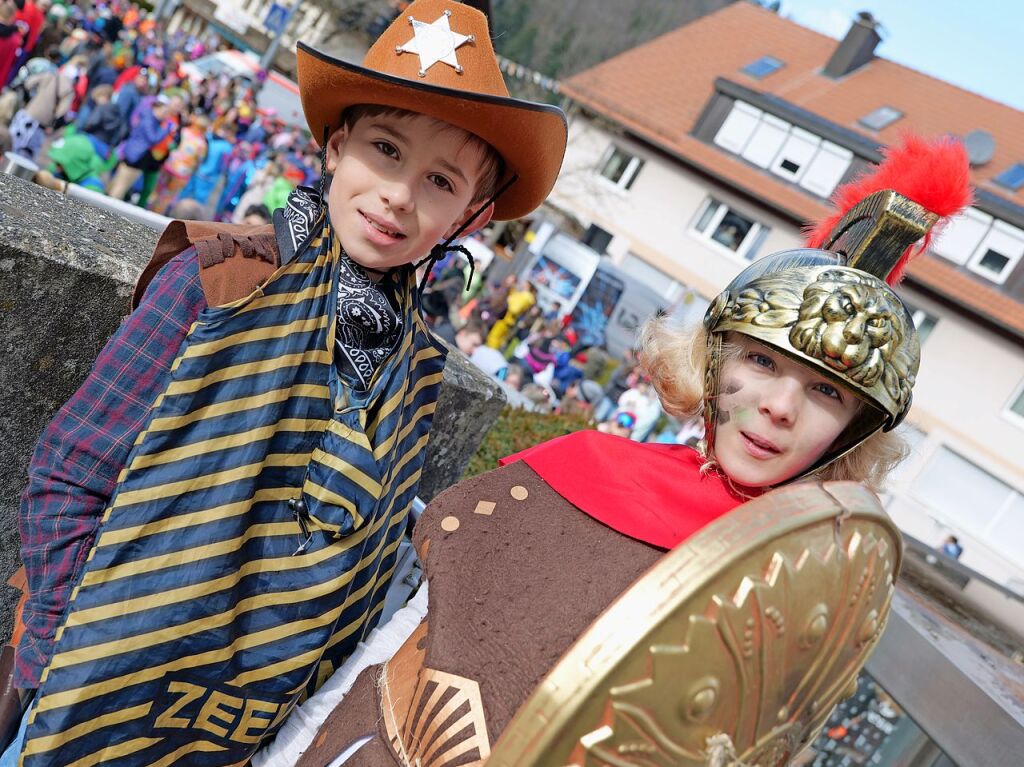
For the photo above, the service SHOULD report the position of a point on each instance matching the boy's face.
(776, 417)
(401, 185)
(468, 341)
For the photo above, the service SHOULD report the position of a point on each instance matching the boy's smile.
(776, 416)
(402, 183)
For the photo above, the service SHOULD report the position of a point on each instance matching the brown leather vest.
(223, 281)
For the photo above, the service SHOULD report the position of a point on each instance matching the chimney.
(857, 48)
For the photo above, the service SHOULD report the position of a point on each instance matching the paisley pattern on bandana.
(367, 326)
(301, 211)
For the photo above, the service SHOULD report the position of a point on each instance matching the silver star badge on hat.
(434, 42)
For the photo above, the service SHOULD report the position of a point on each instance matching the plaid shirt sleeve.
(75, 466)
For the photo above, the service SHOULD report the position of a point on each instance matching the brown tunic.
(512, 586)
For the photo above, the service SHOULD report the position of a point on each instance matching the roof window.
(763, 67)
(1012, 178)
(881, 118)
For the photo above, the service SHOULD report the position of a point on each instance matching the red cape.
(652, 492)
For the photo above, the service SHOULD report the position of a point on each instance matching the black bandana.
(368, 325)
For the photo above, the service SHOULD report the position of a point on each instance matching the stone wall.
(67, 271)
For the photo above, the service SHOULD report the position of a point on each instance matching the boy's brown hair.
(474, 327)
(104, 92)
(492, 167)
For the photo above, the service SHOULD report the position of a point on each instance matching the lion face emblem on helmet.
(855, 325)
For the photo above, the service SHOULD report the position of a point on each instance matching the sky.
(975, 44)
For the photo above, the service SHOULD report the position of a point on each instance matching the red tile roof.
(658, 90)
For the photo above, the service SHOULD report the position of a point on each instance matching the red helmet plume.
(932, 173)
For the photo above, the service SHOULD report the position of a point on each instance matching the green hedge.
(517, 430)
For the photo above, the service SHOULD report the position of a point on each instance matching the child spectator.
(104, 123)
(470, 337)
(257, 215)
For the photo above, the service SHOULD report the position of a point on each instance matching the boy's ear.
(478, 223)
(334, 145)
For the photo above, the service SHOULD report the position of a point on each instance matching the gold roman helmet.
(831, 306)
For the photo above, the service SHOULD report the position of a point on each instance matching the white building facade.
(686, 233)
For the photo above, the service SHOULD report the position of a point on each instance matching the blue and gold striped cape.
(211, 600)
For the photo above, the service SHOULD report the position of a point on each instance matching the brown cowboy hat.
(436, 59)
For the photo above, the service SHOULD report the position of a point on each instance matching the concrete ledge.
(68, 270)
(965, 696)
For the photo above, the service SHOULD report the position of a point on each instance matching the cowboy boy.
(211, 521)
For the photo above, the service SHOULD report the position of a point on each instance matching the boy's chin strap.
(441, 249)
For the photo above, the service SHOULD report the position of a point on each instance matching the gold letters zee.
(225, 716)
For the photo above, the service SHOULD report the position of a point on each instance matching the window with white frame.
(726, 228)
(789, 152)
(985, 245)
(967, 497)
(923, 321)
(620, 167)
(999, 252)
(766, 141)
(1015, 407)
(962, 235)
(796, 154)
(827, 169)
(738, 127)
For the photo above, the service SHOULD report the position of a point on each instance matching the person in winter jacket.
(53, 92)
(104, 123)
(136, 152)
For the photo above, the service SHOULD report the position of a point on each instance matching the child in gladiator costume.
(803, 366)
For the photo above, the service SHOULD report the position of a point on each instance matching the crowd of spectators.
(541, 359)
(100, 95)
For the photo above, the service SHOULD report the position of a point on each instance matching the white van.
(607, 305)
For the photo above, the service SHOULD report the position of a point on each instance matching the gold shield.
(735, 646)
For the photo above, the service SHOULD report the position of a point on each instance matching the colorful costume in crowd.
(210, 171)
(212, 521)
(181, 164)
(526, 563)
(519, 301)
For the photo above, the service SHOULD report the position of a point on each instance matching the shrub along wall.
(517, 430)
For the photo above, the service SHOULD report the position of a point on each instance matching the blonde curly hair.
(676, 358)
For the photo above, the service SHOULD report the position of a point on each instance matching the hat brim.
(530, 137)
